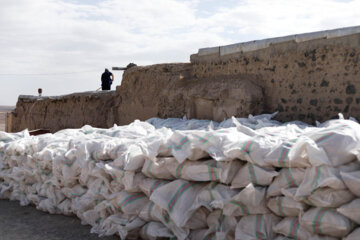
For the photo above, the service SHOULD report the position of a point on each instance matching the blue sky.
(63, 46)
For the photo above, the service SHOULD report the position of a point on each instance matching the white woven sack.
(148, 185)
(214, 195)
(130, 230)
(130, 203)
(200, 234)
(351, 210)
(312, 237)
(131, 159)
(157, 168)
(98, 186)
(286, 206)
(97, 215)
(152, 212)
(219, 223)
(85, 202)
(352, 181)
(250, 173)
(46, 205)
(198, 220)
(204, 234)
(221, 144)
(74, 192)
(67, 170)
(9, 137)
(132, 181)
(288, 178)
(177, 198)
(350, 167)
(254, 227)
(319, 177)
(290, 153)
(338, 139)
(155, 230)
(327, 197)
(251, 200)
(115, 174)
(65, 207)
(190, 144)
(5, 190)
(326, 221)
(252, 146)
(321, 237)
(99, 149)
(290, 227)
(125, 227)
(283, 238)
(199, 171)
(354, 235)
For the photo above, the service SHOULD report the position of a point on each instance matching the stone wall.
(311, 80)
(305, 77)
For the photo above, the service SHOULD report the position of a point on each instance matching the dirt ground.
(19, 223)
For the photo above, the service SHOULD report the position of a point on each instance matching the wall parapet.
(265, 43)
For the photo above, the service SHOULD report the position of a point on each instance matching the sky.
(63, 46)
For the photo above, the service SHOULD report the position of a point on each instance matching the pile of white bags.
(180, 179)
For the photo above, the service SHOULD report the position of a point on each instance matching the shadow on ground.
(18, 223)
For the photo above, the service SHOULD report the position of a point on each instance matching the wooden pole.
(119, 68)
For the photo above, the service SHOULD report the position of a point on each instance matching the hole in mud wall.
(202, 108)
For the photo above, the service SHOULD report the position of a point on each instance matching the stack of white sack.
(181, 179)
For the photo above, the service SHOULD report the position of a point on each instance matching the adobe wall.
(68, 111)
(172, 90)
(305, 77)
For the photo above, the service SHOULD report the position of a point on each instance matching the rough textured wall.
(172, 90)
(69, 111)
(311, 80)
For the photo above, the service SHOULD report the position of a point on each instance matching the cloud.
(59, 36)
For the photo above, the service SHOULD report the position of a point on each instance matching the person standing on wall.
(106, 80)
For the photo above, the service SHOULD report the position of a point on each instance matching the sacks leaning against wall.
(243, 179)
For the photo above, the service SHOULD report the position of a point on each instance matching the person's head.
(106, 70)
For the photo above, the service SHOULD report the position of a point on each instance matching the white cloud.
(54, 36)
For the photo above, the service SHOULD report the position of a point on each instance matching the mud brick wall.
(68, 111)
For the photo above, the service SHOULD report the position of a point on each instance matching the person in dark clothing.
(106, 80)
